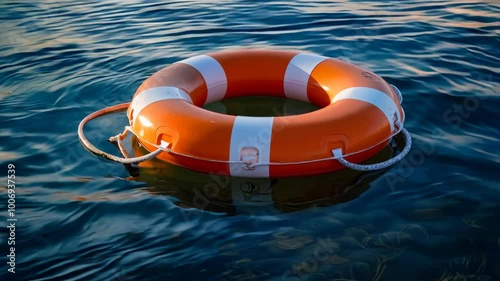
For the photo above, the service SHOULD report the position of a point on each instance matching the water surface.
(435, 216)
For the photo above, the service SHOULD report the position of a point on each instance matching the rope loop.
(116, 139)
(337, 154)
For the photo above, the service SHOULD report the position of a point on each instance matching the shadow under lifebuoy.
(233, 195)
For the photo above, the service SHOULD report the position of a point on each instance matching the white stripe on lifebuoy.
(297, 75)
(149, 96)
(214, 75)
(251, 143)
(375, 97)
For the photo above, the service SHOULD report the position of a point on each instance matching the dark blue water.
(435, 216)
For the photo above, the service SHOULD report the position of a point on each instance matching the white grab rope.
(118, 138)
(337, 154)
(164, 146)
(398, 92)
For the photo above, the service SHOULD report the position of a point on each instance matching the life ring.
(360, 113)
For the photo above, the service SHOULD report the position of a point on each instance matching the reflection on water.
(236, 195)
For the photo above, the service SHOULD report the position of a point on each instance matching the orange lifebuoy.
(359, 114)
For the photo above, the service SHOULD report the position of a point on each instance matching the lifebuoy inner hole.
(260, 106)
